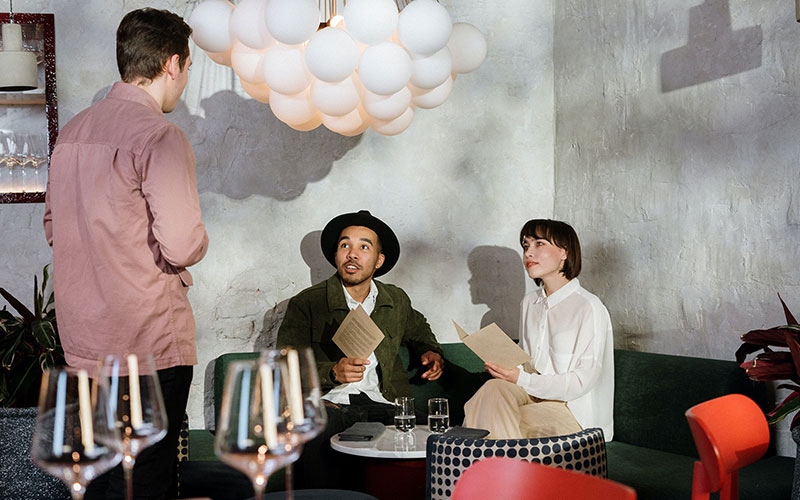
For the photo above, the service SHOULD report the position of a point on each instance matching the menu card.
(492, 344)
(358, 335)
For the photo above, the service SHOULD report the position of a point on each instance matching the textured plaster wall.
(676, 159)
(456, 186)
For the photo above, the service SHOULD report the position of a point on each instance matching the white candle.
(133, 391)
(295, 391)
(85, 408)
(270, 427)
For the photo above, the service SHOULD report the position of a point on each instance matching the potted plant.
(29, 345)
(779, 360)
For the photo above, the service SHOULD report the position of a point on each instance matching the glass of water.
(438, 415)
(404, 418)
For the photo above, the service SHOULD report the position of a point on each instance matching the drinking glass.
(305, 398)
(137, 406)
(404, 418)
(255, 433)
(438, 415)
(75, 434)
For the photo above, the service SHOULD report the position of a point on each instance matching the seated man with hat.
(360, 247)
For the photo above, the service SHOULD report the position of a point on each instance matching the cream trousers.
(508, 412)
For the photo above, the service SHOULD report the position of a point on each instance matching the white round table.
(391, 444)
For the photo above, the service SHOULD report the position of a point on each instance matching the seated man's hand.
(499, 372)
(436, 365)
(350, 370)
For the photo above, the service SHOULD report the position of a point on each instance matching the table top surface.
(391, 444)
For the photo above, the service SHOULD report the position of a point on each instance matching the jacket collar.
(337, 301)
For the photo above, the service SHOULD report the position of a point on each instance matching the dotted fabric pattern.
(448, 457)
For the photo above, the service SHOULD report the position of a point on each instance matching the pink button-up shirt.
(123, 217)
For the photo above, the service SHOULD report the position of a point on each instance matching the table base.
(395, 479)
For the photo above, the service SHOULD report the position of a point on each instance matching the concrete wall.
(676, 159)
(456, 187)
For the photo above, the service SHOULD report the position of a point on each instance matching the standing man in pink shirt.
(123, 217)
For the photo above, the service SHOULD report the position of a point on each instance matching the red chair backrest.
(512, 479)
(730, 432)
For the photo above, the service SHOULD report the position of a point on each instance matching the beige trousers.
(508, 412)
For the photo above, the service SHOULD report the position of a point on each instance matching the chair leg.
(730, 486)
(700, 484)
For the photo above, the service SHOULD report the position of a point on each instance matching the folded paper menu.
(491, 344)
(358, 335)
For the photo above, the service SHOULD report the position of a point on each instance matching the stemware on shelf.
(137, 407)
(75, 434)
(256, 433)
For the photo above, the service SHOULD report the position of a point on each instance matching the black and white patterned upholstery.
(448, 457)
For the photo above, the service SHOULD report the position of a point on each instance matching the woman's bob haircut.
(559, 234)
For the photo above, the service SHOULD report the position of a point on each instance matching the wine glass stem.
(258, 489)
(288, 479)
(127, 467)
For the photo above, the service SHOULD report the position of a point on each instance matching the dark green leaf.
(17, 305)
(44, 334)
(787, 406)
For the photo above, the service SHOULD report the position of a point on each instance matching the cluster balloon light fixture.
(371, 67)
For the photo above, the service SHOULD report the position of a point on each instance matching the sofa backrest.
(653, 391)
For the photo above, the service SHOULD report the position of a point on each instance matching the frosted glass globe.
(209, 23)
(259, 92)
(353, 123)
(428, 72)
(467, 47)
(384, 68)
(223, 58)
(285, 69)
(331, 55)
(394, 127)
(335, 99)
(424, 27)
(292, 21)
(292, 109)
(430, 98)
(309, 125)
(247, 63)
(249, 26)
(387, 107)
(370, 21)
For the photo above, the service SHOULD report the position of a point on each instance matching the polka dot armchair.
(448, 457)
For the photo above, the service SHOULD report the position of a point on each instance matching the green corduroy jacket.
(313, 315)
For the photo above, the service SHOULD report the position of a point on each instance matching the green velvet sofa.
(652, 451)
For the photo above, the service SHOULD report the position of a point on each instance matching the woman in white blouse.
(569, 382)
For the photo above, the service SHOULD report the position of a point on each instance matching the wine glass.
(137, 406)
(255, 429)
(305, 399)
(74, 435)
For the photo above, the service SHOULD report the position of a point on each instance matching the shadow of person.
(242, 149)
(497, 280)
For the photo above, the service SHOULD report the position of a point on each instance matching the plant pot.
(21, 478)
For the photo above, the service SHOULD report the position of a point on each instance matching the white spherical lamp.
(353, 123)
(335, 99)
(424, 27)
(431, 71)
(249, 26)
(309, 125)
(247, 63)
(394, 127)
(467, 47)
(384, 68)
(259, 92)
(222, 58)
(285, 69)
(370, 21)
(292, 21)
(209, 22)
(331, 55)
(431, 98)
(292, 109)
(387, 107)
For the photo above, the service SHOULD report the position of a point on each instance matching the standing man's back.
(123, 218)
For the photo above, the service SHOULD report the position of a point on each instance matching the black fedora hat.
(390, 247)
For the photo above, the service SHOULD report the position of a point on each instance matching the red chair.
(729, 432)
(512, 479)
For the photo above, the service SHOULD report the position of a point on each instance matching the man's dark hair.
(559, 234)
(146, 39)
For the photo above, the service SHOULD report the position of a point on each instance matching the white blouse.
(569, 338)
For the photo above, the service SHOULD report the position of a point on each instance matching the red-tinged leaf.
(773, 336)
(791, 397)
(789, 386)
(794, 348)
(745, 350)
(789, 317)
(20, 308)
(776, 365)
(785, 408)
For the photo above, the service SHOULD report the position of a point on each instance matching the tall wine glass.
(137, 407)
(255, 429)
(304, 393)
(74, 435)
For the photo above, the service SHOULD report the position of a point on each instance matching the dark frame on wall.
(47, 21)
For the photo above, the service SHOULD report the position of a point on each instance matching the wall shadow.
(242, 149)
(714, 49)
(498, 280)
